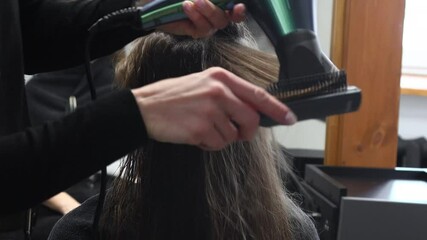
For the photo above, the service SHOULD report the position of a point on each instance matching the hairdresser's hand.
(204, 19)
(62, 203)
(209, 109)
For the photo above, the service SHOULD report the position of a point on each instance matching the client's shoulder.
(77, 224)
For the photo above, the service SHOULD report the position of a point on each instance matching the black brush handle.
(319, 107)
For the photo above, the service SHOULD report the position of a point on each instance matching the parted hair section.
(161, 56)
(236, 193)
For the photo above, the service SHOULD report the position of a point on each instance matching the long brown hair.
(181, 192)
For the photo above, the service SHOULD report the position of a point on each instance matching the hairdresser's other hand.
(204, 19)
(209, 109)
(62, 203)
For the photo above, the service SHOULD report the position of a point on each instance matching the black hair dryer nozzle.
(300, 55)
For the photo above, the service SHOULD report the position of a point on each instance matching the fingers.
(198, 25)
(255, 96)
(215, 132)
(216, 140)
(217, 129)
(269, 105)
(241, 116)
(238, 13)
(227, 130)
(242, 102)
(206, 18)
(216, 17)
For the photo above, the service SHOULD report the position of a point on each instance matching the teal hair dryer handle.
(160, 12)
(276, 17)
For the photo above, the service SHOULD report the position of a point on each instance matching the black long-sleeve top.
(37, 162)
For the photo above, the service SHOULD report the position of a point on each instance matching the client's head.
(182, 192)
(159, 56)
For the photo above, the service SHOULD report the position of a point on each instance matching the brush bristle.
(313, 85)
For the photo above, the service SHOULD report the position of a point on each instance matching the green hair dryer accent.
(277, 14)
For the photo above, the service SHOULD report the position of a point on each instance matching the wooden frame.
(367, 43)
(413, 85)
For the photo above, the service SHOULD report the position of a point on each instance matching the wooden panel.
(413, 91)
(334, 124)
(370, 50)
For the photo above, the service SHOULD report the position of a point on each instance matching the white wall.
(413, 109)
(413, 117)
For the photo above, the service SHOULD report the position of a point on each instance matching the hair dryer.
(308, 81)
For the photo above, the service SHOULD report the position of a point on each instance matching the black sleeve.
(55, 31)
(42, 161)
(77, 224)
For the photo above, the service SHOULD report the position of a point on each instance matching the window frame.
(414, 72)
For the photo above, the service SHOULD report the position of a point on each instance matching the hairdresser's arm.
(55, 31)
(209, 109)
(43, 161)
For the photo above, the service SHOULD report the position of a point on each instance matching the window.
(414, 58)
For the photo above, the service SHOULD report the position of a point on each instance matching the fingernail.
(187, 5)
(290, 118)
(200, 3)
